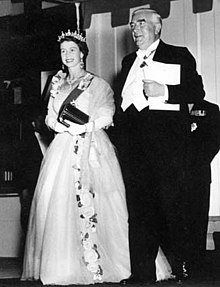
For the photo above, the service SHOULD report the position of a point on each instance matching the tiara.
(71, 34)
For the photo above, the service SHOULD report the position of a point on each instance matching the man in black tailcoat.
(156, 84)
(204, 144)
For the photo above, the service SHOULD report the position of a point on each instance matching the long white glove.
(53, 124)
(100, 123)
(75, 129)
(60, 128)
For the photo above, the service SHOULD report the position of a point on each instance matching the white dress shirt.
(132, 92)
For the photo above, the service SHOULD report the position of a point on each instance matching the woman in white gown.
(78, 227)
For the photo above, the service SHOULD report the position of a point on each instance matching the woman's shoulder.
(97, 80)
(59, 76)
(57, 81)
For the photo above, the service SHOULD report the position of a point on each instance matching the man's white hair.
(156, 18)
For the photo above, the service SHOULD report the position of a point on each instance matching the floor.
(10, 270)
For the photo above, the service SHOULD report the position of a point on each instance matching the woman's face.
(70, 54)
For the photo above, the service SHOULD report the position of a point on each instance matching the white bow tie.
(145, 54)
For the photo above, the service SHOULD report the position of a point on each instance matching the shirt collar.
(149, 50)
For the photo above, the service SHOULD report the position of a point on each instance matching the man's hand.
(153, 89)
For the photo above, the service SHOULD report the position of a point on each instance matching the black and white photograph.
(109, 143)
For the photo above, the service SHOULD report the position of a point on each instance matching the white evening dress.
(78, 226)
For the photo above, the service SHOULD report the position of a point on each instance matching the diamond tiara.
(71, 34)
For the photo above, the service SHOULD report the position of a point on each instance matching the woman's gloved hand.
(60, 128)
(75, 129)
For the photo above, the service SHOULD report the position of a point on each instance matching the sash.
(73, 95)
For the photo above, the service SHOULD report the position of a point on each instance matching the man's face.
(143, 29)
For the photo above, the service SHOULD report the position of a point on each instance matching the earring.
(81, 63)
(63, 67)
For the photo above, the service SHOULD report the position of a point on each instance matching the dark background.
(28, 45)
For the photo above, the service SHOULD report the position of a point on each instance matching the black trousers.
(152, 152)
(156, 199)
(198, 213)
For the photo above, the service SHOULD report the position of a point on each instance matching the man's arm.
(191, 88)
(205, 139)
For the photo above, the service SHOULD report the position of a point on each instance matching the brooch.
(193, 127)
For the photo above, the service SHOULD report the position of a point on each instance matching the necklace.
(74, 80)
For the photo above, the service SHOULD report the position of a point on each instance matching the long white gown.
(78, 227)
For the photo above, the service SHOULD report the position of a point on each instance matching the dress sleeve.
(102, 106)
(51, 117)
